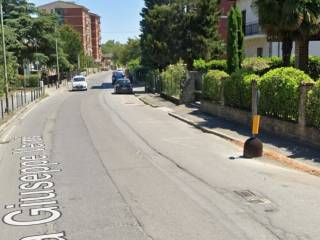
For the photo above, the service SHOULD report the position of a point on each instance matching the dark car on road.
(123, 85)
(117, 75)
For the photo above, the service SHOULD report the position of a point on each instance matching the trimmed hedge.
(212, 84)
(314, 67)
(279, 91)
(172, 78)
(313, 106)
(238, 89)
(202, 65)
(259, 65)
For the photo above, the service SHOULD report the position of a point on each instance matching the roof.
(64, 4)
(93, 14)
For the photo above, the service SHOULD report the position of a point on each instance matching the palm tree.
(302, 20)
(271, 22)
(290, 20)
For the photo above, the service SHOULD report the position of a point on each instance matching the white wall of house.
(253, 42)
(246, 5)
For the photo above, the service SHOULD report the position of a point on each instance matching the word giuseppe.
(37, 203)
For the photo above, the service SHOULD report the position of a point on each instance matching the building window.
(260, 52)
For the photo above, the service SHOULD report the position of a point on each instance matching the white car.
(79, 83)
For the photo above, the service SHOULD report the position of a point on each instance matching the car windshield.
(119, 74)
(123, 82)
(79, 79)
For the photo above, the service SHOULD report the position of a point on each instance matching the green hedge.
(202, 65)
(279, 89)
(212, 84)
(313, 106)
(238, 90)
(259, 65)
(314, 67)
(172, 78)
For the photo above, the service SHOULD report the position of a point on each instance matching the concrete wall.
(274, 126)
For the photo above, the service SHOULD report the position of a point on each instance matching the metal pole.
(4, 60)
(57, 54)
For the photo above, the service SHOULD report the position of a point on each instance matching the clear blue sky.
(120, 18)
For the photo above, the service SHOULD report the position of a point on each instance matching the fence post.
(12, 104)
(304, 88)
(2, 111)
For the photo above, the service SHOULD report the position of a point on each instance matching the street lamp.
(4, 60)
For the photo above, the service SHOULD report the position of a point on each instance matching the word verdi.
(38, 204)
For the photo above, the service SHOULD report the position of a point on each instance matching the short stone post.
(188, 88)
(304, 88)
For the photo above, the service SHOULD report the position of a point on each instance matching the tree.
(130, 51)
(233, 62)
(113, 49)
(273, 23)
(198, 26)
(158, 44)
(179, 29)
(302, 19)
(72, 48)
(240, 35)
(290, 20)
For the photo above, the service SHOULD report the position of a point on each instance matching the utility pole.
(4, 60)
(57, 54)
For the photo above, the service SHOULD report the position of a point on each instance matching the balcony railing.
(252, 28)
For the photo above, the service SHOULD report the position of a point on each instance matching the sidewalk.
(286, 151)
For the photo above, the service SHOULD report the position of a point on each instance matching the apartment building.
(83, 21)
(96, 36)
(256, 43)
(224, 7)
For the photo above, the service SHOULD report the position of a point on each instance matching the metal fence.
(18, 99)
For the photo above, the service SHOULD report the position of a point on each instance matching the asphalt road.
(97, 166)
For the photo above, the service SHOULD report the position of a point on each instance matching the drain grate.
(250, 197)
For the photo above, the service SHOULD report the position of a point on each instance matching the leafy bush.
(238, 90)
(256, 65)
(314, 67)
(275, 62)
(217, 65)
(313, 106)
(202, 65)
(33, 80)
(212, 84)
(279, 89)
(172, 79)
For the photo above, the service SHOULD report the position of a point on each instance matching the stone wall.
(292, 130)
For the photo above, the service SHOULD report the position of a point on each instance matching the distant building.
(224, 7)
(80, 18)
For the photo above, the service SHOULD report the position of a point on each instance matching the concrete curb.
(268, 153)
(145, 101)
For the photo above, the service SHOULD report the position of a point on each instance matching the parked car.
(117, 75)
(123, 85)
(79, 83)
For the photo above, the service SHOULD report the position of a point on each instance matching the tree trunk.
(286, 51)
(302, 54)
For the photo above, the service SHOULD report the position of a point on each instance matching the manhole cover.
(251, 197)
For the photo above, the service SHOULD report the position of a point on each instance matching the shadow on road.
(103, 86)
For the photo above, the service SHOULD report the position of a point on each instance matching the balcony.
(252, 28)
